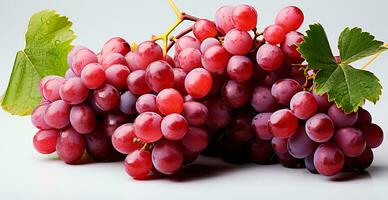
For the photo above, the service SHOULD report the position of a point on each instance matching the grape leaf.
(346, 86)
(48, 41)
(355, 44)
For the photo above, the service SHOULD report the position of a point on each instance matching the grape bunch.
(227, 91)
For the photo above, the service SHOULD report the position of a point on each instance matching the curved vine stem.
(373, 58)
(181, 16)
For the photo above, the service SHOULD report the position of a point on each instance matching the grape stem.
(373, 58)
(181, 16)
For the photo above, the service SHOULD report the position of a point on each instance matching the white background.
(24, 174)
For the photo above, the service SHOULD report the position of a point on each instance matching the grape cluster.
(228, 91)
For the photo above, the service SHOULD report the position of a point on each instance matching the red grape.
(147, 127)
(204, 28)
(198, 83)
(320, 128)
(283, 123)
(328, 159)
(244, 17)
(138, 164)
(45, 141)
(169, 101)
(174, 126)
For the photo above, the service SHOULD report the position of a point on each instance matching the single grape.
(269, 57)
(45, 141)
(290, 18)
(43, 81)
(113, 59)
(215, 59)
(81, 58)
(198, 83)
(322, 101)
(279, 145)
(188, 59)
(138, 164)
(70, 145)
(263, 101)
(196, 139)
(57, 114)
(146, 103)
(195, 113)
(51, 87)
(93, 76)
(148, 52)
(260, 126)
(99, 146)
(174, 126)
(106, 97)
(73, 91)
(235, 94)
(209, 42)
(320, 128)
(244, 17)
(299, 145)
(274, 34)
(340, 118)
(37, 117)
(112, 121)
(136, 82)
(284, 89)
(373, 135)
(128, 103)
(283, 123)
(219, 113)
(167, 157)
(289, 45)
(82, 118)
(223, 19)
(159, 76)
(239, 68)
(179, 80)
(169, 101)
(238, 42)
(116, 45)
(116, 75)
(204, 28)
(351, 141)
(147, 127)
(328, 159)
(186, 42)
(303, 105)
(123, 139)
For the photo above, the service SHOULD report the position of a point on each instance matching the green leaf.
(347, 86)
(316, 48)
(48, 41)
(354, 44)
